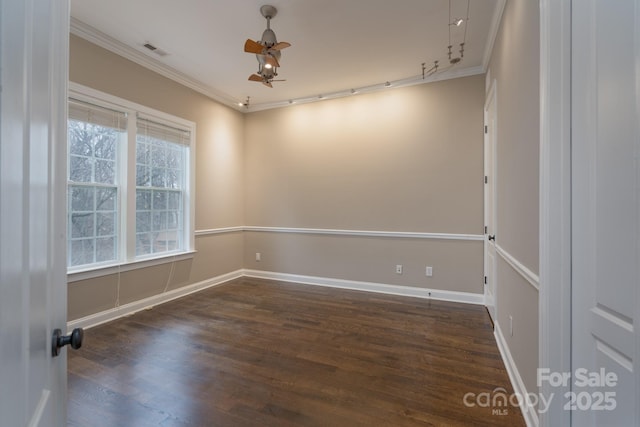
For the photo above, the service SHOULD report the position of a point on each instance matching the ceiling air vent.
(155, 50)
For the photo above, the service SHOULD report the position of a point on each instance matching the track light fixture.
(451, 57)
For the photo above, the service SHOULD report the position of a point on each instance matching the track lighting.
(453, 60)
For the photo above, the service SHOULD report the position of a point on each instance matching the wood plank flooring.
(262, 353)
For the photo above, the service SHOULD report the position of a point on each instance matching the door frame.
(491, 99)
(554, 305)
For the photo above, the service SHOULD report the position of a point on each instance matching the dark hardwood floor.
(262, 353)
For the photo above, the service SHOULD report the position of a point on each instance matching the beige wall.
(404, 160)
(219, 129)
(515, 67)
(407, 160)
(457, 265)
(219, 178)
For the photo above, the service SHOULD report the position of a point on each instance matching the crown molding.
(493, 33)
(91, 34)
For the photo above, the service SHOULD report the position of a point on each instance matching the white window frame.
(127, 178)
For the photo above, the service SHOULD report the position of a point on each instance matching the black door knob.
(58, 340)
(492, 237)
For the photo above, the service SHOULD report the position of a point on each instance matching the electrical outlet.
(258, 256)
(399, 269)
(429, 271)
(510, 325)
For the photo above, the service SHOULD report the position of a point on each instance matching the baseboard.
(436, 294)
(528, 412)
(133, 307)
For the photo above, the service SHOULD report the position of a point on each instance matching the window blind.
(163, 132)
(94, 114)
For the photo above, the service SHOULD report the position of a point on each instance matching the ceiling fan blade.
(255, 78)
(253, 47)
(267, 84)
(280, 46)
(271, 60)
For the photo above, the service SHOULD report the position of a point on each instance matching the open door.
(490, 119)
(605, 156)
(33, 78)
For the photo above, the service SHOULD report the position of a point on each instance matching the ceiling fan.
(267, 50)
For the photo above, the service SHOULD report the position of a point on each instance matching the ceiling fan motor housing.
(269, 38)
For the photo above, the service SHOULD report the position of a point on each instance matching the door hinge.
(485, 229)
(486, 179)
(486, 129)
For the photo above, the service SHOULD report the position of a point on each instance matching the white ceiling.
(337, 45)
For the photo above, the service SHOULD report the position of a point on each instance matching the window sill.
(93, 272)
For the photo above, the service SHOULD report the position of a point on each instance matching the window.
(95, 136)
(129, 178)
(160, 161)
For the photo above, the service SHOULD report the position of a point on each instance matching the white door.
(605, 213)
(33, 77)
(490, 119)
